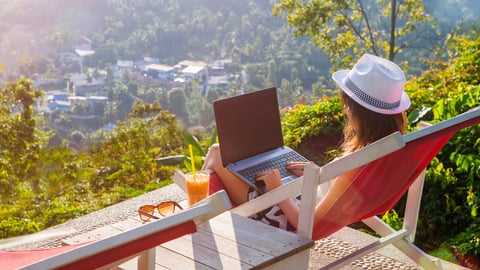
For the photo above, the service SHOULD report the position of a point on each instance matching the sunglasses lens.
(147, 209)
(166, 208)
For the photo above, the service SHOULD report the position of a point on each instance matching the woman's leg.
(237, 190)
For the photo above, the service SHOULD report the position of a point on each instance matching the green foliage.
(302, 121)
(185, 159)
(452, 185)
(127, 155)
(62, 184)
(468, 242)
(16, 226)
(314, 130)
(391, 217)
(347, 28)
(60, 210)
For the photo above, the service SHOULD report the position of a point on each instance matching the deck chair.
(391, 167)
(112, 251)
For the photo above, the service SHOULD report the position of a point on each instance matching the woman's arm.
(291, 209)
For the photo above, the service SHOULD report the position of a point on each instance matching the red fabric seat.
(13, 259)
(382, 183)
(216, 184)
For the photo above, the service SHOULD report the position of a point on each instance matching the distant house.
(57, 95)
(140, 65)
(96, 99)
(218, 67)
(217, 82)
(186, 63)
(124, 65)
(159, 71)
(59, 105)
(83, 86)
(151, 60)
(194, 72)
(58, 100)
(81, 53)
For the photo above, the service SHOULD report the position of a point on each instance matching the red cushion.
(216, 185)
(14, 259)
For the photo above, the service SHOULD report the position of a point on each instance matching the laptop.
(250, 136)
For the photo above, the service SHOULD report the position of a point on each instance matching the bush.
(314, 130)
(17, 226)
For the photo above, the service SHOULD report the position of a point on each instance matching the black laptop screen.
(248, 124)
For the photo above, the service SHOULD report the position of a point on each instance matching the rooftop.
(159, 67)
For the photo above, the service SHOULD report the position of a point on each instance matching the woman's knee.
(213, 158)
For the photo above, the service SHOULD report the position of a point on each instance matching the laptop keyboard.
(279, 163)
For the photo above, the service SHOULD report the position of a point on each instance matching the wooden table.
(228, 241)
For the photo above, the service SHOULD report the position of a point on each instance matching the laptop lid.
(248, 124)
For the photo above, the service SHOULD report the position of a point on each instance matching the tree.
(19, 135)
(178, 104)
(342, 28)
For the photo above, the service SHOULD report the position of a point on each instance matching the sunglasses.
(164, 209)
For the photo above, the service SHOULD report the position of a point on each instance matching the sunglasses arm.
(147, 214)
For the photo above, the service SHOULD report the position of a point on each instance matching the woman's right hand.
(297, 167)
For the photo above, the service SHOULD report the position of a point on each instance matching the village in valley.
(88, 87)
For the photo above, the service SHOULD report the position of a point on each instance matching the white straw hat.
(375, 83)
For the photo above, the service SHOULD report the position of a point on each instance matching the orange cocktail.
(197, 186)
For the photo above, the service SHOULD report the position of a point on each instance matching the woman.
(374, 104)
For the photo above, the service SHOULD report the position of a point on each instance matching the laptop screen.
(248, 124)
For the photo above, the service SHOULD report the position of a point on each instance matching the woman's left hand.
(270, 178)
(297, 167)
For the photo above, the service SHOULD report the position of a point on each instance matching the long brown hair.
(363, 126)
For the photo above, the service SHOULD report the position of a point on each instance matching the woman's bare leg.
(237, 190)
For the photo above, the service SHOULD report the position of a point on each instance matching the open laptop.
(250, 136)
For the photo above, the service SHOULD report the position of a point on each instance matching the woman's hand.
(270, 178)
(297, 167)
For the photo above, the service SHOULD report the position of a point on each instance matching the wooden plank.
(263, 237)
(168, 259)
(228, 247)
(190, 247)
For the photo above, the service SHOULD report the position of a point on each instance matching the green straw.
(193, 162)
